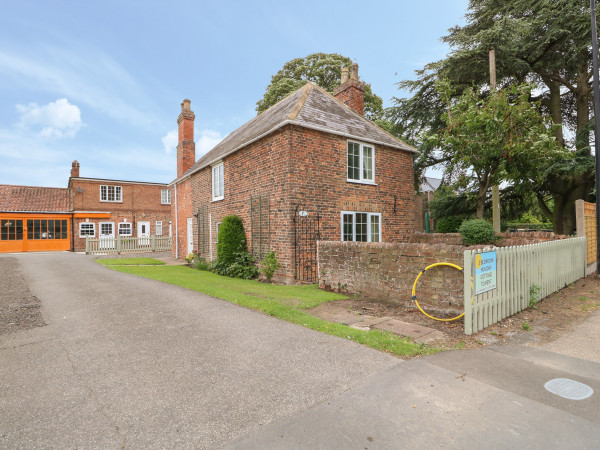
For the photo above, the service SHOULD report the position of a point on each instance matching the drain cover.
(571, 389)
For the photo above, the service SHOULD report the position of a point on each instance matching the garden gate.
(306, 235)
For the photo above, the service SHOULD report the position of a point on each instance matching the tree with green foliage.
(493, 138)
(323, 69)
(231, 240)
(544, 42)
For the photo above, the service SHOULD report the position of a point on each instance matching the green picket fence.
(524, 274)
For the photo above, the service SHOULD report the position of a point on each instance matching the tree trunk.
(555, 109)
(483, 188)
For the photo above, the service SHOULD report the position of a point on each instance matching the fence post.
(119, 244)
(87, 245)
(468, 318)
(153, 241)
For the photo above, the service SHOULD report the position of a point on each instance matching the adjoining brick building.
(34, 218)
(108, 208)
(309, 168)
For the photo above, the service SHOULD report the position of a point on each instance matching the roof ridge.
(363, 117)
(33, 187)
(307, 88)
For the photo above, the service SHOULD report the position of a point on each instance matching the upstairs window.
(111, 193)
(218, 185)
(361, 163)
(361, 226)
(165, 196)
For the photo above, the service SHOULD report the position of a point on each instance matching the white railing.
(524, 274)
(127, 244)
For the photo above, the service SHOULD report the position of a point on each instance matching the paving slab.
(367, 322)
(411, 330)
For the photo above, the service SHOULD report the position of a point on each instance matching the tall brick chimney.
(75, 169)
(186, 148)
(351, 91)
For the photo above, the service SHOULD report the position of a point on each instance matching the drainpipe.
(209, 236)
(176, 226)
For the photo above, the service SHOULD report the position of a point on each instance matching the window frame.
(93, 224)
(162, 196)
(218, 167)
(130, 229)
(361, 179)
(119, 189)
(369, 233)
(158, 227)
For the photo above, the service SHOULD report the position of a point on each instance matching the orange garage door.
(34, 234)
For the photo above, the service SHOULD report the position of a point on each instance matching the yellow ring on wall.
(414, 288)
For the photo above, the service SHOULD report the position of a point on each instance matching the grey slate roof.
(310, 107)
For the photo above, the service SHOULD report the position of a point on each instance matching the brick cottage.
(309, 168)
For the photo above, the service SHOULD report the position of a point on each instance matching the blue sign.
(485, 272)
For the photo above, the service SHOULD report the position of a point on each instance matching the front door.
(107, 235)
(190, 235)
(143, 233)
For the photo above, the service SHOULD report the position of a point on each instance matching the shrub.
(269, 265)
(231, 240)
(243, 267)
(199, 263)
(477, 231)
(449, 224)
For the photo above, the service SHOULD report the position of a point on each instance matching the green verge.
(284, 302)
(130, 262)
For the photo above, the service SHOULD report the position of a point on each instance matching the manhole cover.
(571, 389)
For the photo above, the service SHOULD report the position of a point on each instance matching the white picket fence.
(522, 272)
(127, 244)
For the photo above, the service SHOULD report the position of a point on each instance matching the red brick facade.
(296, 165)
(140, 202)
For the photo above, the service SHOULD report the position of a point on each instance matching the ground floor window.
(46, 229)
(87, 229)
(159, 228)
(11, 230)
(107, 229)
(125, 229)
(361, 226)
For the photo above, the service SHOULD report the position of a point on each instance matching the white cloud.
(57, 119)
(208, 139)
(169, 141)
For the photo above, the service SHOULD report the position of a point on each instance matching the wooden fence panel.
(523, 273)
(126, 244)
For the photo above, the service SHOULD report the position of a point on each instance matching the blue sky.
(102, 81)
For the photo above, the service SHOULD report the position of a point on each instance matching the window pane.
(51, 229)
(63, 229)
(4, 230)
(361, 227)
(118, 193)
(353, 161)
(159, 228)
(29, 229)
(375, 231)
(19, 225)
(44, 229)
(348, 225)
(103, 193)
(368, 163)
(36, 229)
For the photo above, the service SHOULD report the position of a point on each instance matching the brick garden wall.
(508, 239)
(386, 271)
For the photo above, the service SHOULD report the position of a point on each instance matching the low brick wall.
(386, 271)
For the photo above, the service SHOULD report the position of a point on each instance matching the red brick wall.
(387, 271)
(140, 202)
(508, 239)
(296, 165)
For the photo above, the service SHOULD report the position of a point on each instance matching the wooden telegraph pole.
(495, 188)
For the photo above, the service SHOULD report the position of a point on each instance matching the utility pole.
(495, 188)
(597, 125)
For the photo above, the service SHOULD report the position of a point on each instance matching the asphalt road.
(130, 362)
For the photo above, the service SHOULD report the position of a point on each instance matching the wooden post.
(495, 188)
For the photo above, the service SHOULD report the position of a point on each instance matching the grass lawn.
(130, 262)
(284, 302)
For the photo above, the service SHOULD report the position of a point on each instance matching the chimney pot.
(354, 75)
(185, 105)
(345, 75)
